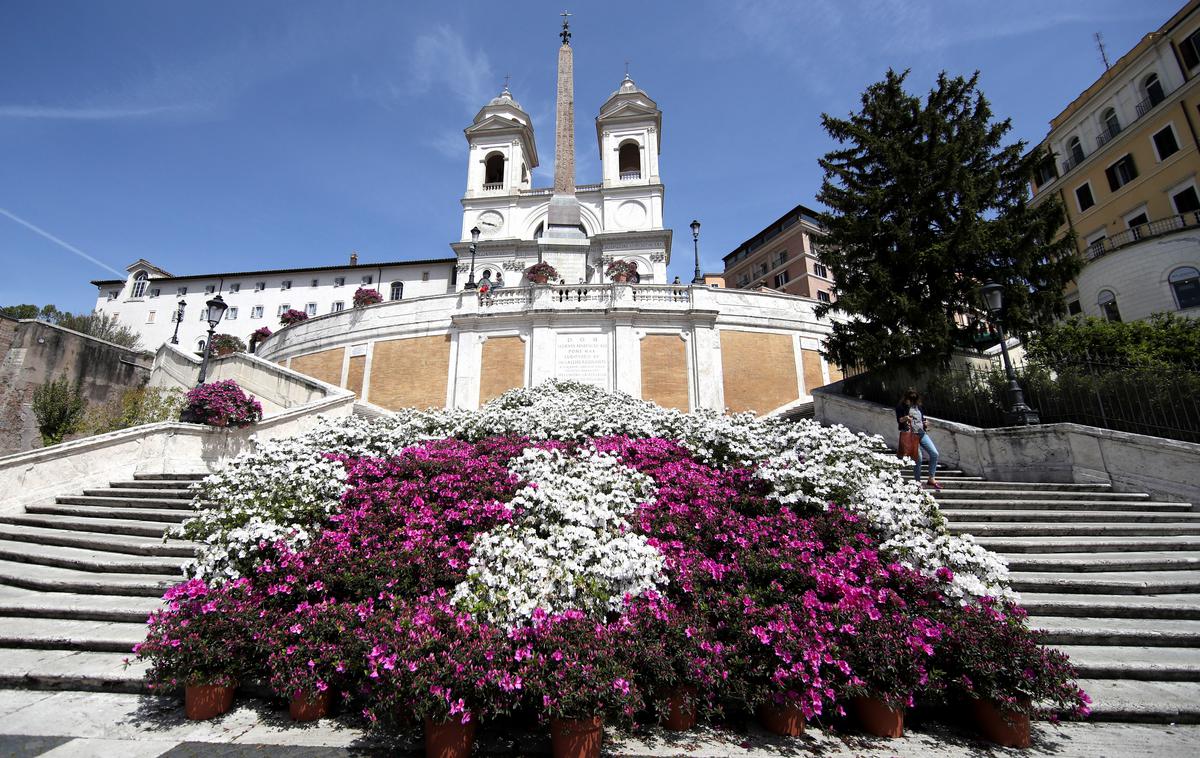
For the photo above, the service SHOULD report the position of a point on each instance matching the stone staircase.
(78, 578)
(1112, 577)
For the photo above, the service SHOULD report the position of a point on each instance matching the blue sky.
(224, 135)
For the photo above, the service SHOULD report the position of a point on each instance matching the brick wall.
(502, 367)
(410, 373)
(325, 366)
(665, 371)
(759, 370)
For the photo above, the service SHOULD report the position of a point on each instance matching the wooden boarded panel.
(354, 374)
(410, 373)
(759, 370)
(664, 371)
(501, 368)
(325, 366)
(813, 377)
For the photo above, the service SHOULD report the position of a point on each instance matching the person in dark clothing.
(910, 417)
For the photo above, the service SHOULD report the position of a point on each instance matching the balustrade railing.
(575, 295)
(495, 187)
(627, 175)
(1134, 234)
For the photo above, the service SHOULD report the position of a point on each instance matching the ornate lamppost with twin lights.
(216, 309)
(470, 285)
(1018, 412)
(697, 278)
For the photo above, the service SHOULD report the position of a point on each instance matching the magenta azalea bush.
(221, 404)
(364, 296)
(539, 270)
(433, 567)
(621, 268)
(292, 316)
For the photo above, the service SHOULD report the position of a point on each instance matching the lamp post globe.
(1018, 412)
(216, 309)
(697, 277)
(474, 240)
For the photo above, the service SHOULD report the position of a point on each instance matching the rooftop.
(230, 274)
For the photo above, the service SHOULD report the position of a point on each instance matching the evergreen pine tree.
(926, 205)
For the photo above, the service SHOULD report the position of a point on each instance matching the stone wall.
(34, 352)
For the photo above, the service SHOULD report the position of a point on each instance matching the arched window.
(1108, 305)
(200, 347)
(541, 229)
(1112, 125)
(139, 284)
(1075, 148)
(1185, 283)
(493, 171)
(629, 160)
(524, 174)
(1154, 92)
(397, 291)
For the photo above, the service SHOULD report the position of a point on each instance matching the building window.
(204, 314)
(286, 284)
(181, 291)
(311, 309)
(1165, 143)
(1074, 308)
(200, 346)
(210, 288)
(1108, 305)
(1110, 125)
(1121, 173)
(743, 280)
(282, 308)
(139, 284)
(1075, 148)
(1189, 50)
(235, 287)
(1083, 194)
(1186, 201)
(823, 296)
(338, 307)
(780, 258)
(231, 313)
(256, 312)
(315, 283)
(339, 281)
(1045, 173)
(150, 317)
(155, 292)
(112, 294)
(397, 291)
(781, 278)
(1154, 91)
(368, 279)
(424, 276)
(629, 160)
(1137, 218)
(493, 171)
(260, 286)
(1185, 283)
(820, 270)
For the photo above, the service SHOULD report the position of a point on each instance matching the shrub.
(222, 404)
(135, 406)
(1164, 338)
(541, 270)
(58, 407)
(226, 344)
(364, 296)
(292, 316)
(621, 268)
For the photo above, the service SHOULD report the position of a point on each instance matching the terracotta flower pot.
(576, 738)
(781, 719)
(878, 718)
(620, 278)
(203, 701)
(1001, 725)
(309, 707)
(680, 712)
(539, 279)
(449, 739)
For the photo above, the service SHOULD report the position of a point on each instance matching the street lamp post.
(1018, 413)
(216, 309)
(470, 285)
(178, 320)
(697, 278)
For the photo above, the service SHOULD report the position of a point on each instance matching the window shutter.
(1188, 51)
(1114, 182)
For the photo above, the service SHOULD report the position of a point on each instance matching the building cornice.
(343, 267)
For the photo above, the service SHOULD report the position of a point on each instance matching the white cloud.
(442, 59)
(93, 114)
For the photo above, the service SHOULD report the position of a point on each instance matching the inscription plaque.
(582, 358)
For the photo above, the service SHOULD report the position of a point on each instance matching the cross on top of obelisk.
(566, 30)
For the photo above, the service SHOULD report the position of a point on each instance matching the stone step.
(1065, 507)
(90, 511)
(1108, 582)
(87, 560)
(109, 543)
(1084, 605)
(70, 634)
(128, 493)
(70, 670)
(969, 485)
(125, 502)
(17, 601)
(153, 484)
(1143, 701)
(1082, 630)
(170, 477)
(84, 524)
(1119, 561)
(54, 579)
(1162, 664)
(1001, 493)
(1029, 515)
(992, 529)
(1082, 544)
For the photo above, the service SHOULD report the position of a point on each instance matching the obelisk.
(563, 218)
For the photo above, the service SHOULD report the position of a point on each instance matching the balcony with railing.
(627, 176)
(493, 187)
(1107, 134)
(594, 296)
(1142, 232)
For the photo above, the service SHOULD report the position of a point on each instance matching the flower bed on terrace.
(573, 552)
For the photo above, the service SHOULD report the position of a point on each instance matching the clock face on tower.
(490, 222)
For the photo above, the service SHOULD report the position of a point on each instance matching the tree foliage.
(98, 325)
(1165, 338)
(926, 204)
(58, 407)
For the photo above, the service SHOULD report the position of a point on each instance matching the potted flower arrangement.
(202, 641)
(312, 651)
(221, 404)
(540, 273)
(621, 270)
(226, 344)
(364, 296)
(292, 316)
(994, 660)
(257, 336)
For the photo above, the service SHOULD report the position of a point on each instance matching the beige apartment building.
(1124, 162)
(783, 257)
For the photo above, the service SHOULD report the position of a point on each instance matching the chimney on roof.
(353, 259)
